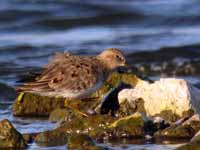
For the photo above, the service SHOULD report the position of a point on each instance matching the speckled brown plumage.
(74, 76)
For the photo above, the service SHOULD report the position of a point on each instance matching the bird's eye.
(119, 58)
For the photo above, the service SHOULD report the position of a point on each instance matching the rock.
(169, 98)
(10, 137)
(193, 122)
(29, 137)
(92, 125)
(174, 132)
(194, 144)
(28, 104)
(130, 126)
(185, 129)
(52, 138)
(99, 127)
(196, 138)
(79, 141)
(82, 141)
(166, 62)
(59, 114)
(128, 108)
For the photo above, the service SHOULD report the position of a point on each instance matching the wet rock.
(183, 129)
(114, 80)
(194, 144)
(193, 122)
(82, 141)
(29, 137)
(91, 125)
(166, 62)
(128, 108)
(169, 98)
(131, 126)
(29, 104)
(174, 132)
(196, 138)
(10, 137)
(99, 127)
(58, 114)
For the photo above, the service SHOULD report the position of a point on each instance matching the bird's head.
(112, 58)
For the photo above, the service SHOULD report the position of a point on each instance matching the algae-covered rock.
(99, 127)
(10, 137)
(129, 126)
(29, 137)
(91, 125)
(79, 141)
(136, 125)
(58, 114)
(187, 129)
(113, 80)
(194, 144)
(82, 141)
(133, 126)
(128, 108)
(175, 132)
(194, 123)
(169, 98)
(29, 104)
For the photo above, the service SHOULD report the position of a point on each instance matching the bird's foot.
(76, 110)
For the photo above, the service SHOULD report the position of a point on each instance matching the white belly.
(75, 94)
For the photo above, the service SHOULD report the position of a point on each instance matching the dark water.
(32, 30)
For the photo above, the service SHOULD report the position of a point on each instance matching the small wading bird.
(75, 77)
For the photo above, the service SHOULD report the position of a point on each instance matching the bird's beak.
(125, 68)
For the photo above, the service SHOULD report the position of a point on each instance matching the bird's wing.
(68, 72)
(57, 59)
(77, 74)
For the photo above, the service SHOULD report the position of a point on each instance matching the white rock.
(169, 94)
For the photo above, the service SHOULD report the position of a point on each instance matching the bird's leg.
(76, 110)
(20, 96)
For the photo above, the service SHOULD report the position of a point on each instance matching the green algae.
(127, 108)
(28, 104)
(79, 141)
(99, 127)
(82, 141)
(59, 114)
(78, 124)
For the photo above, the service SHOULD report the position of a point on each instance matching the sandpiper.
(75, 77)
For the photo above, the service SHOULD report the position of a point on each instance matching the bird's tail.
(33, 86)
